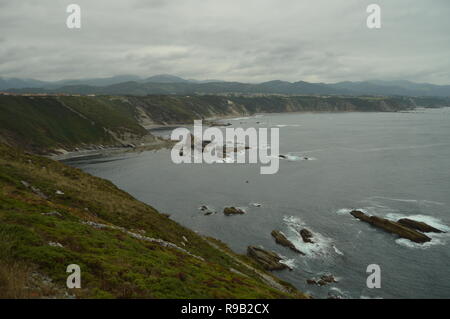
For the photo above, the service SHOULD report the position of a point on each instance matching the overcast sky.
(241, 40)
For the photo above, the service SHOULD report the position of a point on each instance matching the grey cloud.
(251, 40)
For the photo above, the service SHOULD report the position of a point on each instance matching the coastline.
(109, 151)
(165, 143)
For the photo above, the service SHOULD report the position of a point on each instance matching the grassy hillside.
(52, 215)
(41, 124)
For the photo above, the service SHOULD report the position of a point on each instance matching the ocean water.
(388, 164)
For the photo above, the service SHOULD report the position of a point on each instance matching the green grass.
(108, 112)
(113, 263)
(39, 123)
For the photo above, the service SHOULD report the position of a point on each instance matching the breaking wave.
(322, 246)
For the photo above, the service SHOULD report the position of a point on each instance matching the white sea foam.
(295, 158)
(338, 251)
(430, 220)
(288, 262)
(436, 238)
(434, 241)
(322, 246)
(344, 211)
(347, 211)
(336, 292)
(373, 209)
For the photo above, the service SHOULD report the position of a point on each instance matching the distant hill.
(15, 83)
(170, 84)
(166, 78)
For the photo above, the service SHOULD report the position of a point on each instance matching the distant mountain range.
(170, 84)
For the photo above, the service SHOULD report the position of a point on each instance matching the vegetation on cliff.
(52, 215)
(42, 124)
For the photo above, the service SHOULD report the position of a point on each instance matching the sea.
(391, 165)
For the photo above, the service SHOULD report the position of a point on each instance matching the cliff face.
(44, 123)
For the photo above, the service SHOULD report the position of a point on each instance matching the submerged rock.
(420, 226)
(281, 239)
(306, 236)
(392, 227)
(268, 259)
(233, 211)
(206, 210)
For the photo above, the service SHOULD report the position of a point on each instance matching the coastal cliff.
(53, 124)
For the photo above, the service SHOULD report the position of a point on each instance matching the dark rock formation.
(322, 281)
(206, 210)
(420, 226)
(233, 211)
(392, 227)
(268, 259)
(281, 239)
(306, 235)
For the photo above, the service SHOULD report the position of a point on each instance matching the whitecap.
(410, 244)
(322, 245)
(338, 251)
(336, 292)
(295, 158)
(288, 262)
(344, 211)
(347, 211)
